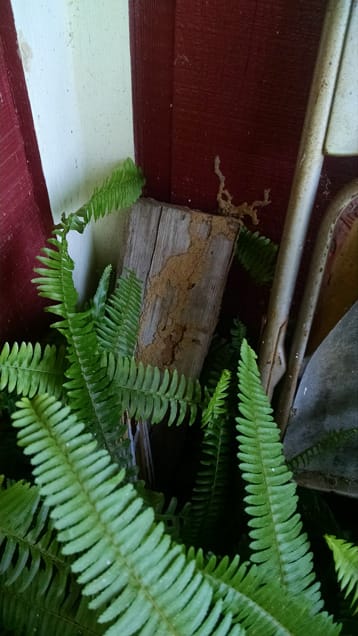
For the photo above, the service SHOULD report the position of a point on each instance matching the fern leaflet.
(147, 394)
(217, 404)
(55, 280)
(28, 369)
(120, 190)
(99, 300)
(257, 254)
(346, 563)
(118, 328)
(22, 524)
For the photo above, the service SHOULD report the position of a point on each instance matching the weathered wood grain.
(183, 257)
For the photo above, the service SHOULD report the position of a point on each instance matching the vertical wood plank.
(239, 91)
(152, 24)
(140, 237)
(183, 258)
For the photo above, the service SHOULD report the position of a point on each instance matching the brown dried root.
(227, 208)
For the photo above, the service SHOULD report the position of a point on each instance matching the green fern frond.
(22, 525)
(55, 280)
(277, 541)
(217, 406)
(210, 493)
(29, 369)
(257, 254)
(91, 393)
(147, 394)
(118, 328)
(59, 611)
(137, 577)
(34, 576)
(120, 190)
(206, 525)
(99, 300)
(262, 608)
(345, 556)
(237, 333)
(331, 440)
(212, 483)
(219, 357)
(173, 516)
(223, 354)
(88, 387)
(86, 376)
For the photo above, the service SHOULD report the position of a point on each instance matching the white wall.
(76, 61)
(342, 135)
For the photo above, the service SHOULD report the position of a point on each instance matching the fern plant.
(136, 576)
(102, 381)
(87, 548)
(257, 254)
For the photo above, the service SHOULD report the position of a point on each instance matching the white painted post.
(76, 60)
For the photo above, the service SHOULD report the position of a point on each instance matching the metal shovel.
(327, 401)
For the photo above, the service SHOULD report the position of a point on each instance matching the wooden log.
(183, 257)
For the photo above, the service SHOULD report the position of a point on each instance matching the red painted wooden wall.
(25, 219)
(227, 77)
